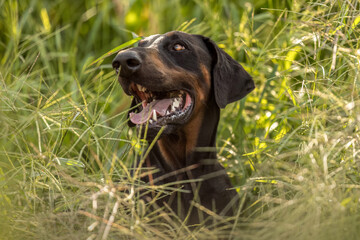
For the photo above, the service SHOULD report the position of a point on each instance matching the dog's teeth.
(151, 121)
(154, 116)
(167, 112)
(176, 103)
(141, 88)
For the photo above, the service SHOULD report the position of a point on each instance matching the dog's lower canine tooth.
(154, 116)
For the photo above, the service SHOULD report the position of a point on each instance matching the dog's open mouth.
(161, 108)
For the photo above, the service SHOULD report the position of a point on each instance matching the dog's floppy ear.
(230, 80)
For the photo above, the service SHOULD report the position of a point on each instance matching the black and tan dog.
(182, 81)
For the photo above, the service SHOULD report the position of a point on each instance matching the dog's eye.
(142, 43)
(178, 47)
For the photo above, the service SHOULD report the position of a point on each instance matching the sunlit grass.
(291, 147)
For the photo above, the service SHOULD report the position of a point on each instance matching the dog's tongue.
(160, 106)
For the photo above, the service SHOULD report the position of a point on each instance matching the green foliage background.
(291, 147)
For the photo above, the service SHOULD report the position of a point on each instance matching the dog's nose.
(129, 61)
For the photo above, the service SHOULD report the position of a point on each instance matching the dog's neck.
(194, 142)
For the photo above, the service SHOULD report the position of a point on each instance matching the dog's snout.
(128, 61)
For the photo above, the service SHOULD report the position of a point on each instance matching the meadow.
(291, 147)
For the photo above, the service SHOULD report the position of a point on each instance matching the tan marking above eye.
(178, 47)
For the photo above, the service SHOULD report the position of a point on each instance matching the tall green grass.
(291, 147)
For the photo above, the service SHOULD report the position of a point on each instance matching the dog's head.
(173, 75)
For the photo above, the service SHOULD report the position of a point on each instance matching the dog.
(179, 82)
